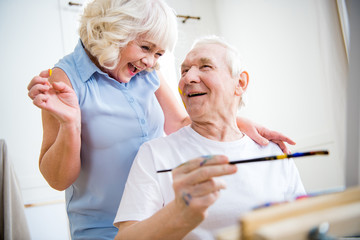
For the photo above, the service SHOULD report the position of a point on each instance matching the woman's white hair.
(107, 26)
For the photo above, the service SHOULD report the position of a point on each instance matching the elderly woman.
(102, 102)
(187, 203)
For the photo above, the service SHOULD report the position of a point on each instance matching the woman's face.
(138, 55)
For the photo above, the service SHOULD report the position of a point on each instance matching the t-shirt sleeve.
(296, 187)
(142, 196)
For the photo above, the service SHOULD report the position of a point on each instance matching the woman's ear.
(243, 83)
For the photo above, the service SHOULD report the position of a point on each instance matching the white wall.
(293, 50)
(30, 42)
(48, 222)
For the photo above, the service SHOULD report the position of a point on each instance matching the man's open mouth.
(195, 94)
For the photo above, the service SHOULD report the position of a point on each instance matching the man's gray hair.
(233, 57)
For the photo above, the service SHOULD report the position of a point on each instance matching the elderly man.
(187, 203)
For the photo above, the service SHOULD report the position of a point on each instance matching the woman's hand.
(196, 186)
(262, 135)
(56, 97)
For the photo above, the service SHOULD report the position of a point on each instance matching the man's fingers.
(204, 168)
(202, 202)
(205, 173)
(210, 186)
(196, 182)
(193, 164)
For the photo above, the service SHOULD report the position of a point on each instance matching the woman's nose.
(149, 61)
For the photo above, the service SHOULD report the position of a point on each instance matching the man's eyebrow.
(205, 60)
(183, 66)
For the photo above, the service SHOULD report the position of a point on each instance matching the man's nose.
(192, 76)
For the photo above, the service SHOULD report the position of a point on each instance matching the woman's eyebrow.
(150, 43)
(153, 45)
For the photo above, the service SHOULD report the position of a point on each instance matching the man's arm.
(195, 188)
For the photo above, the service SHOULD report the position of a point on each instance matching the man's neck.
(221, 131)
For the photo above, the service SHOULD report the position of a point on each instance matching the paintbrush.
(270, 158)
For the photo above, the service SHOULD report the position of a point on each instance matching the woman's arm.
(175, 115)
(262, 135)
(59, 159)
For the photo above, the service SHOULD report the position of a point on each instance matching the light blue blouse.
(116, 118)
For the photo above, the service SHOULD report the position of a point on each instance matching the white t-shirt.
(254, 184)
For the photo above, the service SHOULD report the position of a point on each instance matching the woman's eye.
(146, 48)
(158, 54)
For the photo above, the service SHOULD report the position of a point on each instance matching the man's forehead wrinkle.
(202, 60)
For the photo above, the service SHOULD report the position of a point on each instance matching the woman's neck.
(94, 60)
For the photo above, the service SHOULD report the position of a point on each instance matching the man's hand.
(197, 187)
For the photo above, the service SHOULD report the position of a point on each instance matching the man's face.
(206, 85)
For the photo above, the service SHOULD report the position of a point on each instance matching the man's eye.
(159, 54)
(205, 66)
(184, 71)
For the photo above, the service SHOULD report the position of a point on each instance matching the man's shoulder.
(269, 149)
(168, 139)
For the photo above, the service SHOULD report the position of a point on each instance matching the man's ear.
(243, 82)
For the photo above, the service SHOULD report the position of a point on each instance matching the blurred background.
(297, 53)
